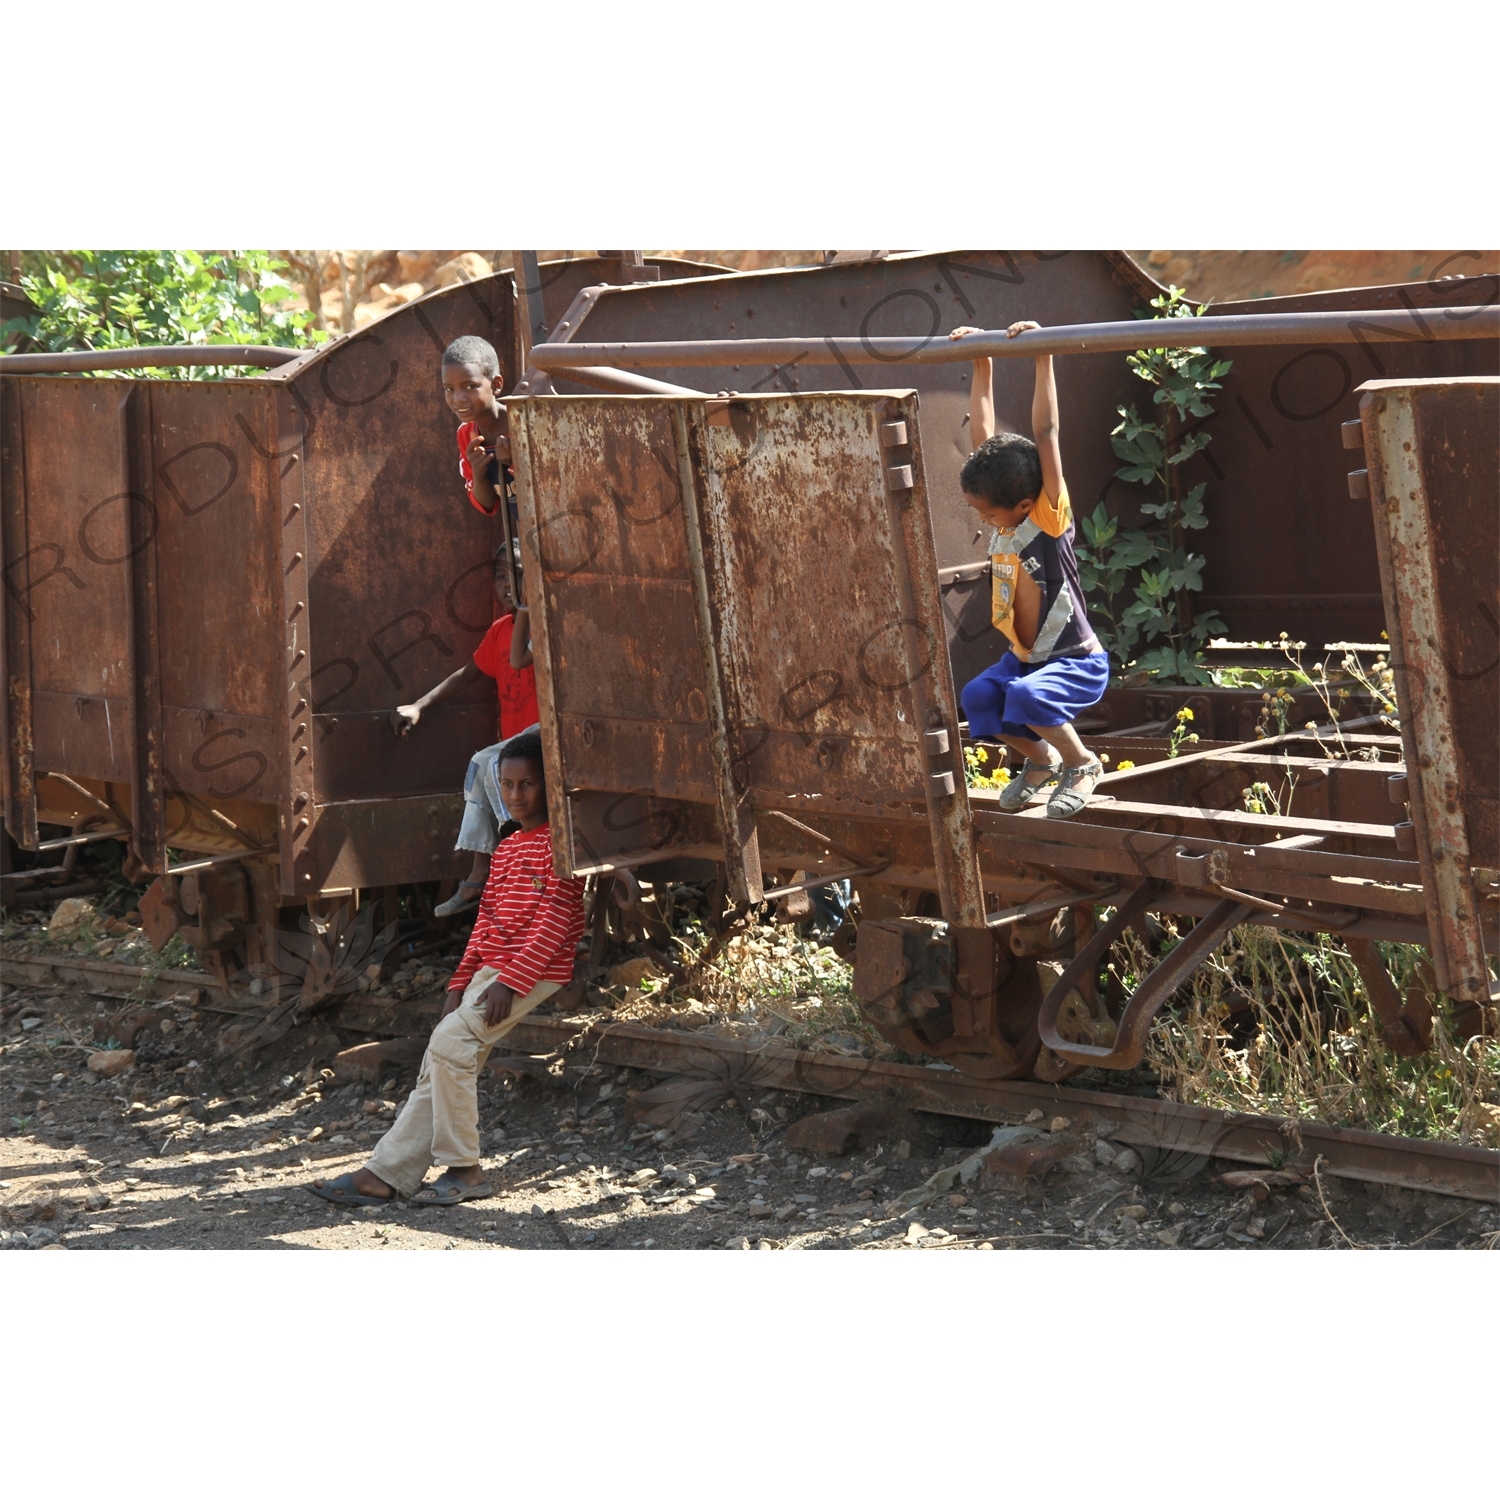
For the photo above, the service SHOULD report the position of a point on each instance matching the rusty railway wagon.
(740, 637)
(216, 592)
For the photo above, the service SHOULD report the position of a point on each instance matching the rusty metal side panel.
(1433, 452)
(628, 686)
(1275, 468)
(385, 841)
(808, 566)
(398, 564)
(759, 625)
(217, 548)
(77, 549)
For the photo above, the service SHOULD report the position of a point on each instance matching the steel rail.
(1176, 1130)
(1182, 1130)
(1428, 325)
(147, 357)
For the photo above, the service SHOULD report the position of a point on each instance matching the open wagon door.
(735, 608)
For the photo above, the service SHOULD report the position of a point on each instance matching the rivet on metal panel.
(297, 609)
(301, 824)
(936, 741)
(899, 477)
(1359, 484)
(1353, 433)
(942, 783)
(893, 435)
(588, 733)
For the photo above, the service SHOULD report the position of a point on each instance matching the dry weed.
(1278, 1023)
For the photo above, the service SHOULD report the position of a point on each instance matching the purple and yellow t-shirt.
(1043, 545)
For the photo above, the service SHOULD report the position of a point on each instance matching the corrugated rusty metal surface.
(1433, 452)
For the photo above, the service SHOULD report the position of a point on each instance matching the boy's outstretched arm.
(1044, 417)
(409, 715)
(981, 395)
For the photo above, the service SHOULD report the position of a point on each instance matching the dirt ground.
(182, 1150)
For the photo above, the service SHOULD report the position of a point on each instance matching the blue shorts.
(1006, 698)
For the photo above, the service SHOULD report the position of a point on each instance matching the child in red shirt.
(472, 386)
(505, 655)
(519, 954)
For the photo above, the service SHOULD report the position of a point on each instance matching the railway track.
(1166, 1135)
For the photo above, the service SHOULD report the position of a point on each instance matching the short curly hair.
(1003, 470)
(525, 746)
(473, 350)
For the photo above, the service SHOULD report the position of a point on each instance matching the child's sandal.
(458, 902)
(1020, 792)
(1074, 789)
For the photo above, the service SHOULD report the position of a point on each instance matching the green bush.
(120, 299)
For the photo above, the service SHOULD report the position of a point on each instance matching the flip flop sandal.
(1074, 789)
(342, 1190)
(457, 902)
(1018, 792)
(448, 1190)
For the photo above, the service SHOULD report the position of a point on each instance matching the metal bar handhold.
(624, 383)
(1430, 325)
(149, 357)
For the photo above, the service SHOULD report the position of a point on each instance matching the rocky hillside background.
(349, 289)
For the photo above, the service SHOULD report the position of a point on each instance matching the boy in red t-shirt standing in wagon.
(505, 655)
(472, 385)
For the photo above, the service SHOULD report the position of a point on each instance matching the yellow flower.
(1126, 765)
(1184, 714)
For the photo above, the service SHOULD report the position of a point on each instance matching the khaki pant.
(440, 1120)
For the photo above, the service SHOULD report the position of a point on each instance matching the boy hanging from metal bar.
(1055, 667)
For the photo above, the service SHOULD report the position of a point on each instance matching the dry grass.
(760, 976)
(1278, 1023)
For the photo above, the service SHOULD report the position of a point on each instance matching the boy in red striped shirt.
(519, 954)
